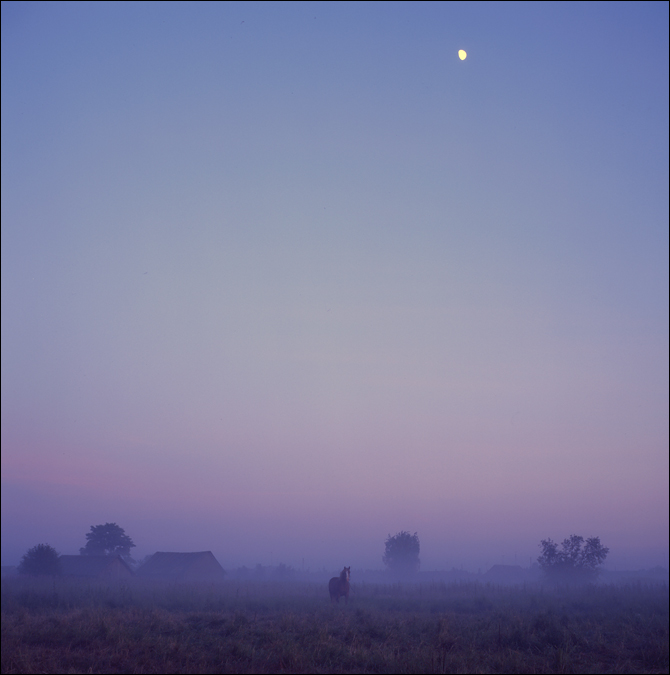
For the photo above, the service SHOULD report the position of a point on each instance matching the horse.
(339, 586)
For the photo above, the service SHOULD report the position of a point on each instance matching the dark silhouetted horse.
(339, 586)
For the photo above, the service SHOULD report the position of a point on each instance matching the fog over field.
(282, 279)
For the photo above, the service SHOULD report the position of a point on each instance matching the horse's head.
(346, 574)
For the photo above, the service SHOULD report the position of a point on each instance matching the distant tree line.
(107, 539)
(576, 559)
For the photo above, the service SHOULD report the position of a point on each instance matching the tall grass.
(71, 627)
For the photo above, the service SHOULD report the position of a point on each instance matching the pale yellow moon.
(462, 54)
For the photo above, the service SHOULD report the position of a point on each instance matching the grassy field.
(67, 627)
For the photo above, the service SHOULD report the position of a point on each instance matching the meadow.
(61, 626)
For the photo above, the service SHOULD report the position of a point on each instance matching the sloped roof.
(94, 566)
(196, 566)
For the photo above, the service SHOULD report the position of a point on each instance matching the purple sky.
(281, 279)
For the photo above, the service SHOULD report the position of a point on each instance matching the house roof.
(182, 566)
(93, 565)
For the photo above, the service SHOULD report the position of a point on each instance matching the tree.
(108, 539)
(40, 559)
(401, 554)
(575, 561)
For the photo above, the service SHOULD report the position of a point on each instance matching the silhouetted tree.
(575, 561)
(401, 554)
(40, 559)
(108, 539)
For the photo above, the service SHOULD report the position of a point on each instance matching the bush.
(40, 559)
(575, 561)
(401, 554)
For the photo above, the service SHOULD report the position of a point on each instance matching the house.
(95, 567)
(199, 566)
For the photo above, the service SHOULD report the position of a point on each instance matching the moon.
(462, 54)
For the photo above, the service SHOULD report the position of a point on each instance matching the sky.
(280, 280)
